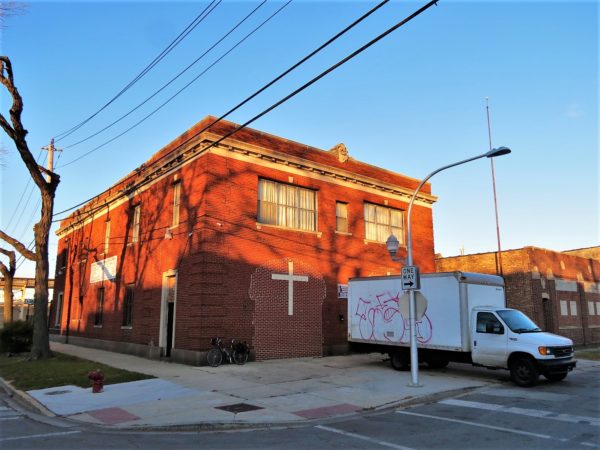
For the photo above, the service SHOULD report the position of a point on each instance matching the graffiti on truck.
(380, 319)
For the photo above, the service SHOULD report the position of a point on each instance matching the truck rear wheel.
(400, 360)
(556, 376)
(524, 371)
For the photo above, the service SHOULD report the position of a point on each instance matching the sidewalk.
(263, 393)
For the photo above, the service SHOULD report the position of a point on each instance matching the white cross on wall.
(290, 278)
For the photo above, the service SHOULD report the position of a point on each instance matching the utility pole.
(50, 149)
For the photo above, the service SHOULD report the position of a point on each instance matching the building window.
(341, 217)
(564, 311)
(128, 306)
(176, 203)
(106, 236)
(135, 226)
(591, 311)
(59, 302)
(381, 221)
(573, 305)
(287, 206)
(99, 307)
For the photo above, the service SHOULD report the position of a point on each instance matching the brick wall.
(223, 261)
(559, 291)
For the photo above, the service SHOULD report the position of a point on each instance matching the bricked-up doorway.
(168, 312)
(288, 299)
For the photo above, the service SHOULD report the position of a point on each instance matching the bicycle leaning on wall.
(236, 353)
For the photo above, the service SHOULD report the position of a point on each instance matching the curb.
(25, 399)
(232, 426)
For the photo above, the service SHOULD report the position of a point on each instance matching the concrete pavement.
(265, 393)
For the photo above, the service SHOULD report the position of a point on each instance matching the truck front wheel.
(400, 360)
(556, 376)
(524, 371)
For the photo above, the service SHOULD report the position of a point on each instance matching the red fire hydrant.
(97, 378)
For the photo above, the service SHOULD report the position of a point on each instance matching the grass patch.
(588, 353)
(60, 370)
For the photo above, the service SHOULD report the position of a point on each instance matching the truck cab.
(507, 338)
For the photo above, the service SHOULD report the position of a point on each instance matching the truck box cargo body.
(466, 320)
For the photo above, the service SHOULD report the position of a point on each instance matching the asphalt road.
(551, 415)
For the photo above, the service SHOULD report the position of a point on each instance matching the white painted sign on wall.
(105, 269)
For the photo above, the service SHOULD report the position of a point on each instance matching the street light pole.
(414, 357)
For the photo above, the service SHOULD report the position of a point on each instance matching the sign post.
(411, 282)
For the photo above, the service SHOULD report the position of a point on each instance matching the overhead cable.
(18, 204)
(170, 81)
(197, 20)
(147, 116)
(286, 98)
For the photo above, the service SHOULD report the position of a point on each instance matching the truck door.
(490, 340)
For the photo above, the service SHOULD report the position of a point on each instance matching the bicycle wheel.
(214, 357)
(240, 356)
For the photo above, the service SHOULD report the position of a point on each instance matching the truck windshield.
(518, 322)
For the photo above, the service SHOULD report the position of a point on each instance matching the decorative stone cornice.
(154, 171)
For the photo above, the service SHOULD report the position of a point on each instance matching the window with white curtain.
(176, 203)
(135, 232)
(107, 237)
(381, 221)
(341, 217)
(287, 206)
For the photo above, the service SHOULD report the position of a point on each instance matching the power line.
(30, 221)
(296, 65)
(21, 259)
(289, 96)
(171, 80)
(146, 117)
(197, 20)
(22, 195)
(23, 208)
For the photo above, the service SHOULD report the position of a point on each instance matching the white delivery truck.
(466, 320)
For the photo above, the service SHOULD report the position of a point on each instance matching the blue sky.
(413, 102)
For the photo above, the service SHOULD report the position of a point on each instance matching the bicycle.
(236, 353)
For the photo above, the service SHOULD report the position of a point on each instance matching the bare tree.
(47, 185)
(9, 274)
(8, 9)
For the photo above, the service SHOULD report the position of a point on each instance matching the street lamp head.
(498, 152)
(392, 245)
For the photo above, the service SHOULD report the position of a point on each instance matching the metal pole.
(499, 266)
(414, 354)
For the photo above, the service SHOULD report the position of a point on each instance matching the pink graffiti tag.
(374, 313)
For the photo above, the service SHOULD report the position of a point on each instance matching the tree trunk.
(8, 300)
(40, 347)
(9, 275)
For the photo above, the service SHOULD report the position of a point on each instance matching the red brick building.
(250, 237)
(560, 291)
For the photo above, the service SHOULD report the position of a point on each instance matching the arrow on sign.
(410, 283)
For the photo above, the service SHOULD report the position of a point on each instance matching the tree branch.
(18, 246)
(12, 260)
(17, 133)
(4, 270)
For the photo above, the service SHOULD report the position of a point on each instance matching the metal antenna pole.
(499, 270)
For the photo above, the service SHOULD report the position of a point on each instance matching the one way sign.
(411, 279)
